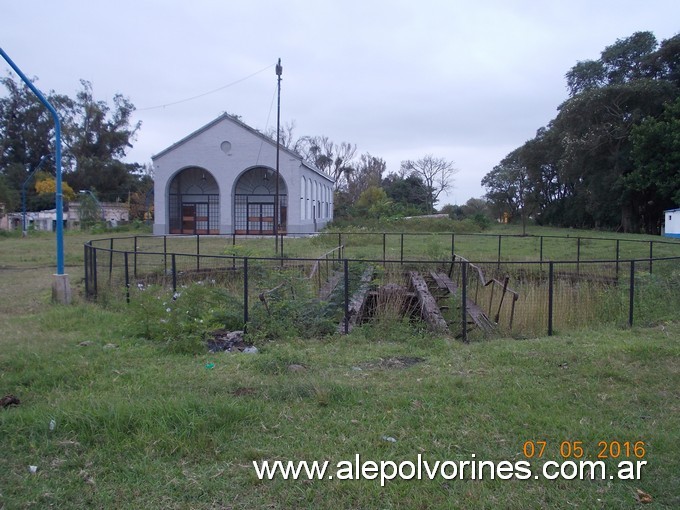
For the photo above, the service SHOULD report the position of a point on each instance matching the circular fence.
(467, 285)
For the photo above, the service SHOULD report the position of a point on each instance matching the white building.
(113, 213)
(672, 223)
(221, 179)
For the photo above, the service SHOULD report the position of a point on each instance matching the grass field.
(138, 426)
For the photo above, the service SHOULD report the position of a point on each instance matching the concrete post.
(61, 289)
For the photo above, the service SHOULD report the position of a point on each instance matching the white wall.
(206, 148)
(672, 223)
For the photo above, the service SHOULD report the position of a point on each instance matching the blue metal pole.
(57, 134)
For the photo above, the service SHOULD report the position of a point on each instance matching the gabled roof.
(243, 125)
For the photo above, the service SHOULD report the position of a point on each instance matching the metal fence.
(481, 284)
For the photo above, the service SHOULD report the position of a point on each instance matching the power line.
(205, 93)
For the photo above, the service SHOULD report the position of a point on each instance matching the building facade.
(672, 223)
(221, 179)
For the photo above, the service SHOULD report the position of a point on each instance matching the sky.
(464, 81)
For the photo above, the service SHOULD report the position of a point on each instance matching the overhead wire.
(205, 93)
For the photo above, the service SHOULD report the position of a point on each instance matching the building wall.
(672, 223)
(226, 149)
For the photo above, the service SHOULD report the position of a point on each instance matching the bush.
(182, 320)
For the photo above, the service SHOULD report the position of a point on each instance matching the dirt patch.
(392, 363)
(243, 392)
(222, 340)
(9, 400)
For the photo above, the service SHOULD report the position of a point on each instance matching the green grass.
(138, 426)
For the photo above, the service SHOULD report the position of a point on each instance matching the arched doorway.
(254, 195)
(194, 202)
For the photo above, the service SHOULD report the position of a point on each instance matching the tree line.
(363, 187)
(611, 157)
(95, 137)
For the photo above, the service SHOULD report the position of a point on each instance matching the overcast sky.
(467, 81)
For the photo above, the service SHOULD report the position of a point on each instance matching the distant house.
(672, 223)
(113, 214)
(221, 179)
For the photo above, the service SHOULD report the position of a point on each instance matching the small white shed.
(672, 223)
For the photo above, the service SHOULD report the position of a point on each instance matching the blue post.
(57, 134)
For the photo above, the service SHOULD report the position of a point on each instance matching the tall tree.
(407, 191)
(592, 165)
(334, 159)
(656, 153)
(26, 130)
(365, 173)
(509, 185)
(97, 141)
(96, 138)
(436, 175)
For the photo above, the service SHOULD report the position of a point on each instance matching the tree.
(366, 173)
(8, 197)
(407, 192)
(334, 159)
(436, 175)
(656, 153)
(510, 189)
(598, 162)
(46, 184)
(26, 130)
(373, 202)
(97, 140)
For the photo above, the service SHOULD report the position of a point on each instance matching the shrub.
(182, 320)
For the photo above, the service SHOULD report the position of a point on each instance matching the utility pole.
(279, 72)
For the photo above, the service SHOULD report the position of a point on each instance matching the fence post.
(165, 254)
(86, 255)
(617, 261)
(499, 250)
(551, 273)
(384, 247)
(541, 253)
(174, 273)
(453, 245)
(463, 304)
(110, 259)
(94, 274)
(134, 271)
(245, 293)
(198, 252)
(346, 270)
(631, 293)
(401, 249)
(651, 255)
(127, 279)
